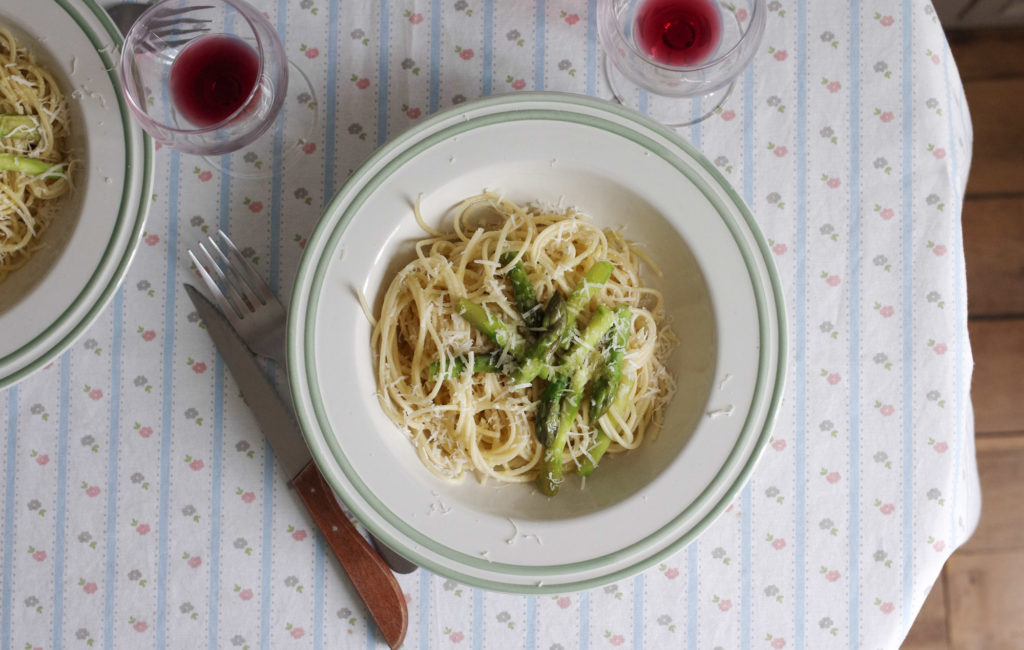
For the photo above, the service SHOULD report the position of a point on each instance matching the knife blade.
(274, 417)
(371, 577)
(293, 457)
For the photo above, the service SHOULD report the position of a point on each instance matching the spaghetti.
(481, 422)
(33, 133)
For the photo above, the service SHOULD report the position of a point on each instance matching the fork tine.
(165, 33)
(234, 278)
(184, 10)
(170, 45)
(253, 279)
(235, 298)
(225, 305)
(168, 22)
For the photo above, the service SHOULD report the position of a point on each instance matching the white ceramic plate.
(93, 233)
(723, 301)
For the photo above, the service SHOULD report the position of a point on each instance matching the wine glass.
(210, 77)
(677, 60)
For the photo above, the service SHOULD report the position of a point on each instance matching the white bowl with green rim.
(723, 300)
(95, 230)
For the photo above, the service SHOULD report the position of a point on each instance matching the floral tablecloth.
(141, 507)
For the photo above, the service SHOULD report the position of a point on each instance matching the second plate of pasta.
(75, 173)
(502, 250)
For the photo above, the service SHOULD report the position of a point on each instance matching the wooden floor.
(979, 600)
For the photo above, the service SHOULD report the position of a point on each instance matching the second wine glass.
(677, 60)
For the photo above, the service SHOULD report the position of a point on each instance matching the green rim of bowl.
(767, 393)
(113, 264)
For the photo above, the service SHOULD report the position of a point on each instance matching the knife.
(369, 574)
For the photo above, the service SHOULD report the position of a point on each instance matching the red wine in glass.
(678, 32)
(212, 77)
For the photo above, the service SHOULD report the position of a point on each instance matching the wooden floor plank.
(930, 630)
(997, 389)
(990, 53)
(1001, 467)
(996, 106)
(994, 254)
(985, 595)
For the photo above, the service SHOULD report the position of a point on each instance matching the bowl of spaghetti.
(73, 173)
(537, 343)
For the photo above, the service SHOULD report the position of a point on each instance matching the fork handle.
(369, 574)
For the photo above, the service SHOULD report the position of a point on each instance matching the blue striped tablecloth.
(140, 505)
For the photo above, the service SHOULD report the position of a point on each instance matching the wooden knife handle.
(369, 574)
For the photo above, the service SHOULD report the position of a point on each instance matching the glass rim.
(754, 16)
(238, 5)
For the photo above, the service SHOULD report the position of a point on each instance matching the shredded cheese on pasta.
(27, 89)
(480, 424)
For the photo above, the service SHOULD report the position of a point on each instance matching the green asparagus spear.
(522, 291)
(19, 127)
(602, 321)
(12, 163)
(555, 322)
(559, 322)
(606, 381)
(546, 426)
(550, 477)
(601, 440)
(594, 453)
(481, 363)
(578, 368)
(583, 292)
(491, 326)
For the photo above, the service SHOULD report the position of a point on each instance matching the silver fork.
(255, 312)
(244, 297)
